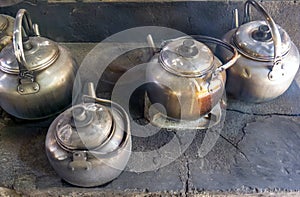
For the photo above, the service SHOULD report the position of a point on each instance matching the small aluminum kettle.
(6, 30)
(186, 77)
(90, 143)
(36, 74)
(269, 59)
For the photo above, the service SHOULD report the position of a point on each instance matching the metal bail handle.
(212, 40)
(230, 62)
(277, 62)
(27, 82)
(20, 32)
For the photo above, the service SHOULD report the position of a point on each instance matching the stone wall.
(92, 21)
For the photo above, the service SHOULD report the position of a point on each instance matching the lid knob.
(188, 43)
(79, 113)
(27, 45)
(262, 34)
(84, 126)
(188, 49)
(81, 116)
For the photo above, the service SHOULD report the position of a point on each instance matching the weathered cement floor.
(258, 151)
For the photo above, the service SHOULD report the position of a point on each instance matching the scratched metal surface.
(258, 147)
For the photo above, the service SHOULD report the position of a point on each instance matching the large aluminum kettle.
(90, 143)
(186, 77)
(269, 59)
(36, 74)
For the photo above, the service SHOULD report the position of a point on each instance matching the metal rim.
(181, 74)
(21, 32)
(37, 68)
(221, 43)
(71, 148)
(277, 61)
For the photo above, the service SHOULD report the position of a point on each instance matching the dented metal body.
(36, 74)
(269, 60)
(90, 144)
(186, 78)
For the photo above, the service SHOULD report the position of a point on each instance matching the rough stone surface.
(256, 151)
(273, 154)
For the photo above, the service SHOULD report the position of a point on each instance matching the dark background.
(82, 21)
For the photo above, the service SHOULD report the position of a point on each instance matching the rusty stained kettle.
(269, 59)
(36, 74)
(186, 77)
(90, 143)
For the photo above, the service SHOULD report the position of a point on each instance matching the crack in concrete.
(244, 133)
(182, 175)
(267, 114)
(185, 174)
(235, 146)
(244, 127)
(178, 138)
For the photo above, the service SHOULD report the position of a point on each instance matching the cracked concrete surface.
(256, 151)
(274, 153)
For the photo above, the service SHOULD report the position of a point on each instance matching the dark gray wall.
(92, 22)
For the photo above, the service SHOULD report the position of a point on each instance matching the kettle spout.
(36, 30)
(151, 44)
(235, 18)
(91, 90)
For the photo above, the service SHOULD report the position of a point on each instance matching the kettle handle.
(226, 45)
(277, 62)
(216, 41)
(21, 34)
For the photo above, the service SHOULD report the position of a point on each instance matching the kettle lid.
(254, 40)
(84, 126)
(186, 57)
(39, 53)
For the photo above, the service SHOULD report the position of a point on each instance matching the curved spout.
(235, 18)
